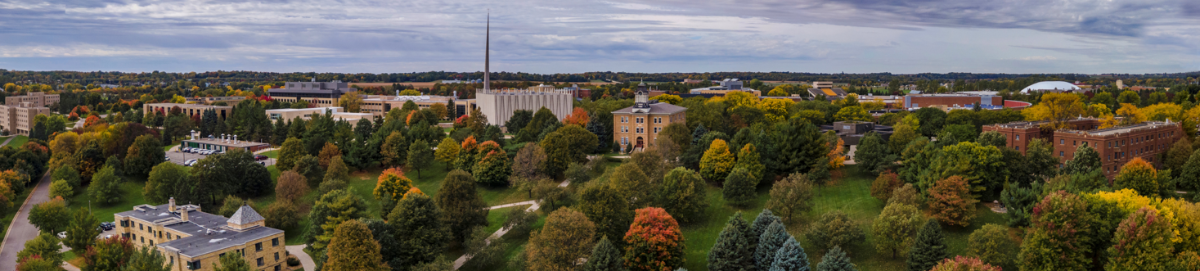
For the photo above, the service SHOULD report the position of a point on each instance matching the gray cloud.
(575, 36)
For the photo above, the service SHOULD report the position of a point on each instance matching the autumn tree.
(835, 229)
(447, 151)
(1139, 176)
(282, 214)
(578, 116)
(390, 187)
(791, 195)
(528, 162)
(46, 246)
(1178, 155)
(654, 241)
(895, 228)
(951, 202)
(629, 180)
(336, 176)
(290, 186)
(61, 188)
(147, 259)
(107, 254)
(748, 158)
(143, 155)
(717, 161)
(328, 151)
(960, 263)
(883, 185)
(351, 101)
(394, 149)
(291, 150)
(462, 208)
(1057, 108)
(566, 237)
(565, 145)
(353, 248)
(493, 168)
(1141, 242)
(683, 194)
(1058, 233)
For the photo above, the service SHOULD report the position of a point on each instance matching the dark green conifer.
(790, 257)
(764, 219)
(836, 260)
(605, 257)
(768, 243)
(928, 249)
(732, 250)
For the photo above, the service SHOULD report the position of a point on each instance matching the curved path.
(20, 230)
(305, 260)
(500, 233)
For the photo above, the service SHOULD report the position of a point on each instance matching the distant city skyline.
(539, 36)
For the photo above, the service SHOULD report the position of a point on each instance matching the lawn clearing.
(131, 195)
(18, 141)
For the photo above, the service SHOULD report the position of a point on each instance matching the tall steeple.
(487, 57)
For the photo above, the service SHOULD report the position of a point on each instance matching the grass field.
(272, 154)
(131, 195)
(18, 141)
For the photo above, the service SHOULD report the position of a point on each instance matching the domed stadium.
(1058, 86)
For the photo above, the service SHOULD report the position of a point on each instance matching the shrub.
(906, 194)
(951, 202)
(992, 245)
(739, 187)
(960, 263)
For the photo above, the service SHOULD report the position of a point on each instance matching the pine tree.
(928, 249)
(732, 250)
(835, 260)
(605, 257)
(764, 219)
(790, 257)
(768, 244)
(462, 208)
(353, 248)
(417, 218)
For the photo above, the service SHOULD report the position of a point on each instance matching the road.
(20, 231)
(305, 260)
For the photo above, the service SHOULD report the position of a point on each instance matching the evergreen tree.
(929, 247)
(739, 188)
(1086, 160)
(732, 250)
(872, 154)
(462, 208)
(836, 260)
(764, 220)
(801, 142)
(768, 243)
(418, 220)
(605, 257)
(790, 257)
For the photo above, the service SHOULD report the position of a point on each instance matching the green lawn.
(131, 195)
(271, 154)
(18, 141)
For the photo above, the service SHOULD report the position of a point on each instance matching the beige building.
(315, 93)
(189, 110)
(228, 100)
(32, 99)
(289, 114)
(17, 120)
(499, 104)
(640, 124)
(195, 240)
(379, 105)
(727, 85)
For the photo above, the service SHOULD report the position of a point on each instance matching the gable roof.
(245, 215)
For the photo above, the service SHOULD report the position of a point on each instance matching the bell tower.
(641, 99)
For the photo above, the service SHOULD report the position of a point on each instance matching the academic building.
(499, 104)
(1116, 145)
(640, 124)
(16, 115)
(195, 240)
(189, 110)
(315, 93)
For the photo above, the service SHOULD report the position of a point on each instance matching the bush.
(739, 187)
(951, 201)
(884, 185)
(61, 188)
(293, 261)
(906, 194)
(282, 214)
(960, 263)
(835, 229)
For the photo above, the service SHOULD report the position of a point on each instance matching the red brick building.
(1116, 146)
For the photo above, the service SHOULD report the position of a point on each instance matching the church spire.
(487, 57)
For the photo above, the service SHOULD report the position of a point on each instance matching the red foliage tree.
(951, 201)
(960, 263)
(654, 241)
(884, 185)
(579, 116)
(92, 120)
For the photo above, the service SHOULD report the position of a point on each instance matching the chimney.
(171, 205)
(235, 139)
(183, 214)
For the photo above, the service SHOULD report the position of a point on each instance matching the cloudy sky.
(565, 36)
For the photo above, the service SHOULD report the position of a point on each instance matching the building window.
(640, 130)
(258, 247)
(168, 236)
(276, 256)
(1074, 142)
(275, 241)
(1018, 137)
(276, 268)
(1018, 148)
(193, 265)
(641, 120)
(656, 129)
(140, 226)
(1062, 141)
(260, 261)
(1060, 153)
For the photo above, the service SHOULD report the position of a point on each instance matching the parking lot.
(179, 157)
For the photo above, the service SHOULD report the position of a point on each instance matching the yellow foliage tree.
(716, 162)
(737, 99)
(876, 104)
(1163, 112)
(1098, 111)
(1187, 223)
(837, 156)
(668, 98)
(776, 110)
(1056, 108)
(179, 99)
(392, 183)
(410, 92)
(1130, 114)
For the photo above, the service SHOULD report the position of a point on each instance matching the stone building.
(195, 240)
(639, 125)
(499, 104)
(189, 110)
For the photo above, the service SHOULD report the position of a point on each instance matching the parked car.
(186, 150)
(167, 157)
(190, 162)
(62, 235)
(259, 157)
(108, 226)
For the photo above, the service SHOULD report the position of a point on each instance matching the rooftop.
(189, 105)
(655, 108)
(1121, 129)
(209, 232)
(225, 142)
(213, 240)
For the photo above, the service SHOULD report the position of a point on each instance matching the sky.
(571, 36)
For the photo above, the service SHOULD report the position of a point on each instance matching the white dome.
(1050, 85)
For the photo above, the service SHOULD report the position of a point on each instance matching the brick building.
(195, 240)
(639, 125)
(1116, 146)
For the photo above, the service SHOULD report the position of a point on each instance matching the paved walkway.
(305, 260)
(500, 233)
(264, 150)
(20, 230)
(10, 138)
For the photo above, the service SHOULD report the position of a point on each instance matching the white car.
(190, 162)
(62, 235)
(186, 150)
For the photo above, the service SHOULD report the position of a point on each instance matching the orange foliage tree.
(885, 184)
(654, 241)
(951, 201)
(579, 116)
(92, 120)
(391, 187)
(1139, 176)
(837, 158)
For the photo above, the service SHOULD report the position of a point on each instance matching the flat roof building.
(1116, 145)
(194, 240)
(18, 112)
(222, 142)
(499, 104)
(852, 132)
(228, 100)
(288, 114)
(727, 85)
(827, 89)
(987, 102)
(315, 93)
(189, 110)
(32, 99)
